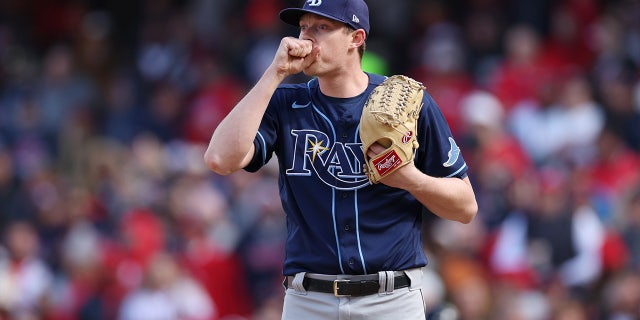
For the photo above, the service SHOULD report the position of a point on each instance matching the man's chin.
(308, 72)
(311, 70)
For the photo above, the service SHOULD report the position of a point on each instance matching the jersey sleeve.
(438, 154)
(266, 137)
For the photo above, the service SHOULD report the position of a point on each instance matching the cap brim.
(292, 16)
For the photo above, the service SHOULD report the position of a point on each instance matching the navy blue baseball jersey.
(338, 222)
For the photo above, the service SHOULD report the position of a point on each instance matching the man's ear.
(358, 38)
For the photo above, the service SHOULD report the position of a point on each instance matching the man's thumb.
(311, 57)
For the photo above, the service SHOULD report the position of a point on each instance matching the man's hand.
(400, 178)
(294, 55)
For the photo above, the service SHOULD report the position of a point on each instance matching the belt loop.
(297, 282)
(391, 279)
(387, 282)
(382, 280)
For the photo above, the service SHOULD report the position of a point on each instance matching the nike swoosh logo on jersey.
(295, 105)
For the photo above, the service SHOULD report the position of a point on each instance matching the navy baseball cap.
(355, 13)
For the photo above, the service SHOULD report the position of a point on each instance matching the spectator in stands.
(25, 277)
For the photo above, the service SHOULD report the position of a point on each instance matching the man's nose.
(307, 34)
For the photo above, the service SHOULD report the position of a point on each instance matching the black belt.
(345, 287)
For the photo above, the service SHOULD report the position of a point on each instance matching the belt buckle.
(336, 288)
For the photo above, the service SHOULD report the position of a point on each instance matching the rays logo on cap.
(314, 3)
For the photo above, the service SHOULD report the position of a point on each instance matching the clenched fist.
(294, 55)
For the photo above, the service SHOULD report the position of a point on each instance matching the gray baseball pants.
(400, 304)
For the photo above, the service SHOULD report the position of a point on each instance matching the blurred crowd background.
(108, 212)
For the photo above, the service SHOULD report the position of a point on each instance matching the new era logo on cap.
(355, 13)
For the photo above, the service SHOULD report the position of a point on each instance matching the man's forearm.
(448, 198)
(231, 145)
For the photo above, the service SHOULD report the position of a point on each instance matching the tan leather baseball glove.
(390, 118)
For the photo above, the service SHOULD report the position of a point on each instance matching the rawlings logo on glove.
(390, 118)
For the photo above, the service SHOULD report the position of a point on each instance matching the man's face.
(333, 39)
